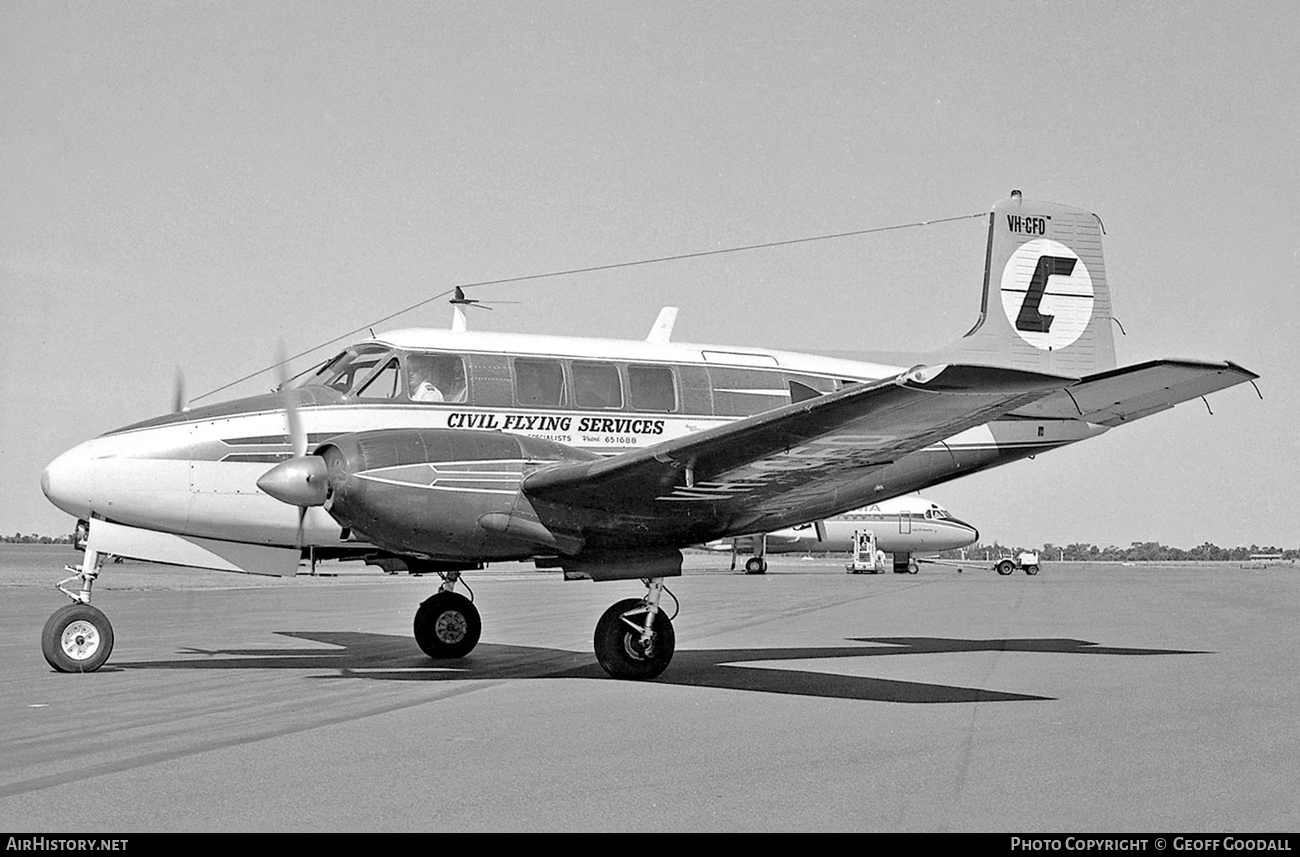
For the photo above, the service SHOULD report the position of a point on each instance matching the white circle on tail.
(1047, 294)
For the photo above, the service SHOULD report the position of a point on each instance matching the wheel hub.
(80, 640)
(450, 627)
(637, 646)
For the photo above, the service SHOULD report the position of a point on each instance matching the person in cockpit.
(435, 378)
(422, 387)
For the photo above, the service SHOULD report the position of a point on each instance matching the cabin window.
(436, 378)
(383, 385)
(650, 388)
(800, 392)
(539, 383)
(597, 385)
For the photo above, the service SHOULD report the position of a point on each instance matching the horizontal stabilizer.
(1123, 395)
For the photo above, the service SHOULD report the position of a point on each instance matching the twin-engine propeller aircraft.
(451, 449)
(903, 526)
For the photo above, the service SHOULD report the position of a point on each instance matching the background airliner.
(903, 526)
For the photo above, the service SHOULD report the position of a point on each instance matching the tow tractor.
(1026, 562)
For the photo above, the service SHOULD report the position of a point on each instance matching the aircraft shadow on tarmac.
(390, 658)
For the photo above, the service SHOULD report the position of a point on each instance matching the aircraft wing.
(798, 456)
(1123, 395)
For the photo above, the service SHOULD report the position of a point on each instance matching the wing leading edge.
(812, 454)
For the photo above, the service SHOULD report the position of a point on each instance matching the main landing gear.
(78, 637)
(634, 638)
(447, 625)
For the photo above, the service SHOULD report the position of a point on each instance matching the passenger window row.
(377, 373)
(540, 383)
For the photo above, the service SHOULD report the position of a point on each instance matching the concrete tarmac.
(1089, 698)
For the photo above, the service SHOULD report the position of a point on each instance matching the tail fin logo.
(1047, 294)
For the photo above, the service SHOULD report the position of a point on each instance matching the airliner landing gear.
(634, 639)
(757, 564)
(447, 625)
(904, 564)
(78, 637)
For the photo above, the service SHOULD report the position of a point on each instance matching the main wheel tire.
(755, 565)
(913, 567)
(447, 625)
(1031, 569)
(77, 638)
(619, 648)
(1006, 567)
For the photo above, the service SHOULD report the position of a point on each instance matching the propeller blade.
(297, 436)
(179, 402)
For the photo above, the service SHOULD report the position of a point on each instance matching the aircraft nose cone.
(974, 534)
(299, 481)
(68, 482)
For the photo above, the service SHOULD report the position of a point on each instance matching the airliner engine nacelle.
(443, 493)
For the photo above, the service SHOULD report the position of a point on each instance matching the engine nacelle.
(443, 493)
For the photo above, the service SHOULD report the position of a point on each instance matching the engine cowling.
(444, 493)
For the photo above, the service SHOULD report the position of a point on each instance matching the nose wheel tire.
(447, 625)
(620, 645)
(77, 638)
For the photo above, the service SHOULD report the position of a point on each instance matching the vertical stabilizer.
(1046, 304)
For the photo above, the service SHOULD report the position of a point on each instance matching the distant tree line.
(1135, 552)
(33, 539)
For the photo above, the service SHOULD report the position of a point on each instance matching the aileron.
(1123, 395)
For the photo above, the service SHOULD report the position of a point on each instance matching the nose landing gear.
(78, 637)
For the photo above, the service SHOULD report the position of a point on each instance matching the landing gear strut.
(447, 625)
(78, 637)
(634, 638)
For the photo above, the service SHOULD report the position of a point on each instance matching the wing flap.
(1124, 395)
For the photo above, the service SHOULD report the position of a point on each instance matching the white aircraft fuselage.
(195, 473)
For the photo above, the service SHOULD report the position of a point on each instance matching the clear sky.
(188, 184)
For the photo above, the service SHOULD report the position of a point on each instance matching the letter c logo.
(1047, 294)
